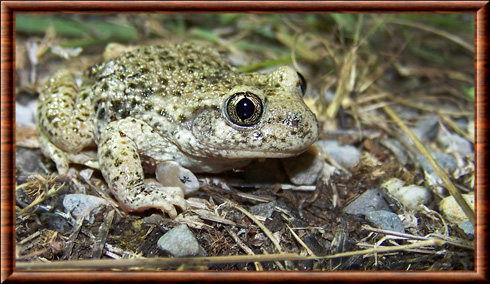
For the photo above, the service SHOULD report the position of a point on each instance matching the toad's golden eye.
(244, 109)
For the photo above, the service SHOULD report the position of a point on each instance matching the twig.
(279, 265)
(73, 236)
(455, 241)
(298, 187)
(210, 216)
(119, 253)
(28, 239)
(102, 235)
(245, 248)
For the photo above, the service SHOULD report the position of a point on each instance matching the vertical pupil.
(245, 108)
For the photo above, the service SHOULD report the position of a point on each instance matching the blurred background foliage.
(317, 44)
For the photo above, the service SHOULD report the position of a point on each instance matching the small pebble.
(467, 227)
(26, 114)
(371, 200)
(173, 174)
(303, 169)
(264, 210)
(385, 220)
(81, 205)
(453, 143)
(393, 184)
(452, 211)
(180, 242)
(411, 196)
(346, 155)
(427, 128)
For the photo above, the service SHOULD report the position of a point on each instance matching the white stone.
(172, 174)
(412, 196)
(393, 185)
(451, 210)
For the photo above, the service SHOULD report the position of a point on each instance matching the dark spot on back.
(124, 113)
(101, 113)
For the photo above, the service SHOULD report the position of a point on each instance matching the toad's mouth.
(262, 153)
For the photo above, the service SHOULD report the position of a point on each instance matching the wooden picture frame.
(10, 8)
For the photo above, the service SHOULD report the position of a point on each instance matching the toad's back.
(170, 83)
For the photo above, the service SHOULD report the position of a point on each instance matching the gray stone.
(180, 242)
(346, 155)
(446, 161)
(453, 143)
(264, 210)
(467, 227)
(385, 220)
(83, 205)
(26, 114)
(371, 200)
(303, 169)
(28, 161)
(427, 128)
(397, 148)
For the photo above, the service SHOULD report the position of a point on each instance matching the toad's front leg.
(121, 167)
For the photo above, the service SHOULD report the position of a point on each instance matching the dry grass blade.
(452, 241)
(298, 239)
(267, 232)
(158, 263)
(462, 243)
(393, 233)
(439, 32)
(73, 237)
(429, 108)
(440, 172)
(248, 250)
(447, 120)
(347, 72)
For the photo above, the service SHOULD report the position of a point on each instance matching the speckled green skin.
(158, 104)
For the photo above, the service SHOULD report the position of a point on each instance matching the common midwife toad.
(172, 110)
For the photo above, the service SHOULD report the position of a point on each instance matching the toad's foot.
(151, 194)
